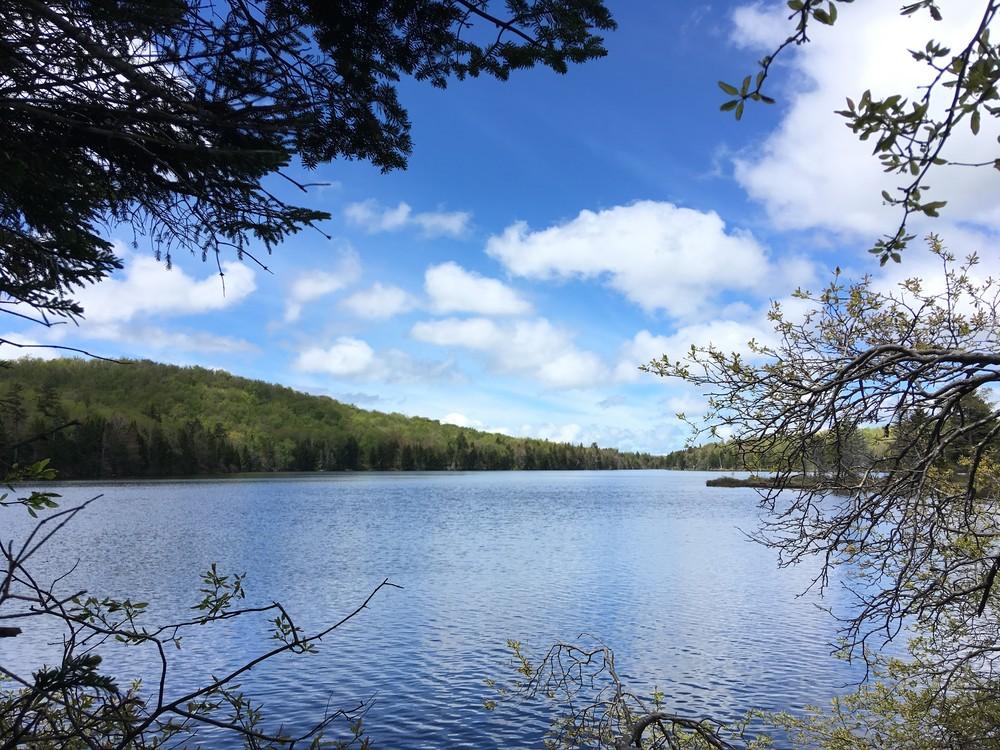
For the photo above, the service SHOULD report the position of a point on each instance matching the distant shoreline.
(264, 475)
(756, 481)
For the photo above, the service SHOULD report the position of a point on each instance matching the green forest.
(865, 444)
(97, 419)
(709, 457)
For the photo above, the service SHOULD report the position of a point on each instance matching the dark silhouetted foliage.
(167, 116)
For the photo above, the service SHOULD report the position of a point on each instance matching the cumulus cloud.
(453, 289)
(660, 256)
(375, 218)
(725, 335)
(312, 285)
(19, 346)
(760, 27)
(812, 171)
(147, 287)
(159, 339)
(572, 368)
(534, 348)
(688, 401)
(345, 357)
(646, 427)
(557, 433)
(139, 337)
(922, 264)
(470, 333)
(349, 358)
(460, 420)
(380, 301)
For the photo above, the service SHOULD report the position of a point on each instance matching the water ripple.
(652, 563)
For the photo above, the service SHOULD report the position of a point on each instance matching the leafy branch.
(910, 135)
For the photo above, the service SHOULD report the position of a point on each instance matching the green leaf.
(974, 122)
(730, 105)
(731, 90)
(739, 110)
(931, 209)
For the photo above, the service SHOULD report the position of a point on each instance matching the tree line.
(95, 419)
(862, 446)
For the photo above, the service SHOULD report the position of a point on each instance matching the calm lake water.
(651, 562)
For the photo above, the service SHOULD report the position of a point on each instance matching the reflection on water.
(652, 563)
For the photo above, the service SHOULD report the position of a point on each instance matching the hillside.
(142, 418)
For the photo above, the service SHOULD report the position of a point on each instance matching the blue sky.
(553, 232)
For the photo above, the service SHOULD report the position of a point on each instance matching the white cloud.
(311, 285)
(557, 433)
(725, 335)
(813, 171)
(760, 27)
(453, 289)
(686, 400)
(353, 359)
(155, 338)
(19, 346)
(658, 255)
(572, 368)
(648, 434)
(922, 264)
(373, 218)
(460, 420)
(140, 338)
(534, 348)
(438, 223)
(147, 287)
(379, 302)
(470, 333)
(345, 357)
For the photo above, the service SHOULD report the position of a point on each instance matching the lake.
(651, 562)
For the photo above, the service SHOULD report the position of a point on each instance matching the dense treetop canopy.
(103, 419)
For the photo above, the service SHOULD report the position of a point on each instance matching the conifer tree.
(166, 117)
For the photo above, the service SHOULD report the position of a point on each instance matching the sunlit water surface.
(652, 563)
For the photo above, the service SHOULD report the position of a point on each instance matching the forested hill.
(147, 419)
